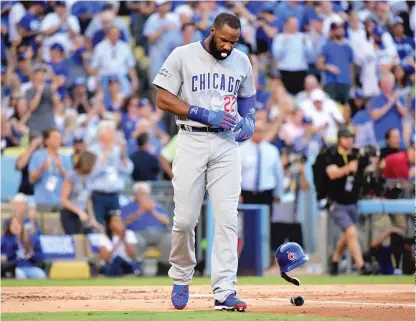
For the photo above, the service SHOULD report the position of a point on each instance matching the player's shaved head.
(228, 19)
(225, 33)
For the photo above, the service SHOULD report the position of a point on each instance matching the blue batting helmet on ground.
(289, 256)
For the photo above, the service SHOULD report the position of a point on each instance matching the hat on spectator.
(397, 20)
(268, 7)
(60, 3)
(184, 9)
(159, 3)
(344, 132)
(57, 46)
(79, 81)
(306, 120)
(337, 21)
(357, 93)
(142, 186)
(378, 31)
(409, 69)
(317, 95)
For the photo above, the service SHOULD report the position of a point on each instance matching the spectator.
(101, 23)
(146, 165)
(325, 115)
(22, 250)
(387, 109)
(118, 249)
(112, 169)
(346, 176)
(267, 29)
(310, 142)
(130, 116)
(318, 40)
(401, 78)
(311, 83)
(80, 96)
(148, 221)
(29, 26)
(293, 128)
(41, 98)
(77, 216)
(262, 173)
(25, 211)
(188, 34)
(8, 137)
(140, 11)
(400, 165)
(58, 27)
(392, 144)
(335, 61)
(79, 146)
(60, 69)
(405, 45)
(160, 26)
(356, 33)
(19, 118)
(22, 165)
(47, 169)
(16, 13)
(292, 49)
(326, 9)
(386, 56)
(288, 9)
(23, 67)
(114, 57)
(116, 97)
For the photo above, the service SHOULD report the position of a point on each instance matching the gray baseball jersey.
(196, 77)
(206, 161)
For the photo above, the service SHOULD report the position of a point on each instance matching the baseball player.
(207, 85)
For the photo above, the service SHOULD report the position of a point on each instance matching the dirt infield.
(365, 302)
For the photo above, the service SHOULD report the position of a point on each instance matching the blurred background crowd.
(78, 105)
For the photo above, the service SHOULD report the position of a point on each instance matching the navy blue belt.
(202, 129)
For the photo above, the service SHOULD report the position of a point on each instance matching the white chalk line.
(321, 302)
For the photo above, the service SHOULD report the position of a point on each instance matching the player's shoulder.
(186, 50)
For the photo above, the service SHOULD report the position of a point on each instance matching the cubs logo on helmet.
(290, 256)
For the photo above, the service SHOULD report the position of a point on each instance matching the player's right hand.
(217, 118)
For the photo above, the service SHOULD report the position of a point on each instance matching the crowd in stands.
(76, 75)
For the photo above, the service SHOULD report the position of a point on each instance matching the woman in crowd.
(117, 248)
(22, 250)
(77, 216)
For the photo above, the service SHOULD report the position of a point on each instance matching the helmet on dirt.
(289, 256)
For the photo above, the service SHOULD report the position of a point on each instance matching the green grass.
(157, 316)
(268, 280)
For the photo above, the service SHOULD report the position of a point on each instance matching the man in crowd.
(392, 139)
(146, 165)
(346, 176)
(148, 221)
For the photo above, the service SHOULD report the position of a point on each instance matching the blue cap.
(79, 81)
(306, 120)
(289, 256)
(357, 94)
(57, 46)
(397, 20)
(378, 31)
(60, 3)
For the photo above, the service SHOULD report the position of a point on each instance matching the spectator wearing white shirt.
(58, 27)
(327, 10)
(16, 13)
(262, 172)
(356, 33)
(325, 114)
(114, 57)
(118, 248)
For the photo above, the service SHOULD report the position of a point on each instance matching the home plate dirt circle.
(364, 302)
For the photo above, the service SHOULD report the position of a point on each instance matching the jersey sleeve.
(169, 76)
(247, 88)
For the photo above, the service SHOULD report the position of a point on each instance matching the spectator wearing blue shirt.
(61, 69)
(318, 39)
(288, 9)
(149, 222)
(146, 165)
(129, 116)
(292, 49)
(112, 169)
(116, 97)
(405, 45)
(387, 109)
(22, 251)
(29, 25)
(47, 169)
(336, 62)
(188, 34)
(267, 29)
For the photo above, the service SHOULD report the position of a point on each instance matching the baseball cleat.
(180, 296)
(232, 303)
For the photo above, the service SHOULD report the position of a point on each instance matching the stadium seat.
(70, 270)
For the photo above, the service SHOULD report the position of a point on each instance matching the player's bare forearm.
(170, 103)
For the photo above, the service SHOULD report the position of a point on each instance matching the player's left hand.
(246, 127)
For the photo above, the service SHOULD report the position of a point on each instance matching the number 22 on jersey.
(229, 104)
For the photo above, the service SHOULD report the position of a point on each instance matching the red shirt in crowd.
(397, 166)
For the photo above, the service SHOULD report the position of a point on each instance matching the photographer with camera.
(345, 170)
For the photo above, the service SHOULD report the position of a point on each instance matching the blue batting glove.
(212, 118)
(246, 127)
